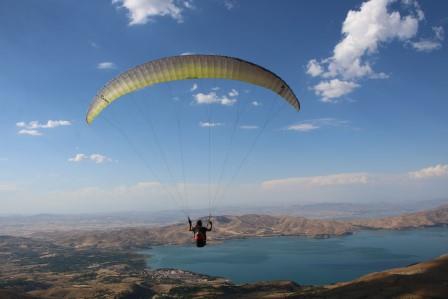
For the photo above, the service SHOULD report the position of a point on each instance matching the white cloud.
(230, 4)
(194, 87)
(439, 32)
(97, 158)
(143, 11)
(56, 123)
(314, 69)
(335, 88)
(432, 171)
(227, 102)
(379, 76)
(233, 93)
(207, 124)
(248, 127)
(370, 181)
(213, 98)
(107, 65)
(317, 123)
(318, 181)
(32, 128)
(78, 158)
(215, 88)
(255, 103)
(305, 127)
(186, 53)
(188, 4)
(428, 45)
(364, 31)
(50, 124)
(342, 187)
(29, 132)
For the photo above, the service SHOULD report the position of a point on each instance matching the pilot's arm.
(211, 226)
(189, 222)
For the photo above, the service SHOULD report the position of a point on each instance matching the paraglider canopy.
(187, 67)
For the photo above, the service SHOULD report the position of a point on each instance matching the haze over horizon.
(369, 76)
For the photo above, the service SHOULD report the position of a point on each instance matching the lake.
(305, 260)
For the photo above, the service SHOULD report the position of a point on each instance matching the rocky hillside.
(38, 269)
(245, 226)
(225, 227)
(423, 280)
(428, 218)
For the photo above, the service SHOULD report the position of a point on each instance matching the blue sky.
(370, 75)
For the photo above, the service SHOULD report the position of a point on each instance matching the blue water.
(305, 260)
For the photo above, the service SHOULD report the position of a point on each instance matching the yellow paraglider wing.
(189, 67)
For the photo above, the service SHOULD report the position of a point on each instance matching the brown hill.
(36, 269)
(15, 294)
(245, 226)
(434, 217)
(225, 227)
(423, 280)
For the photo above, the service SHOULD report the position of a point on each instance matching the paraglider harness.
(200, 238)
(200, 233)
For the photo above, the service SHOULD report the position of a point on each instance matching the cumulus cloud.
(335, 88)
(97, 158)
(430, 44)
(213, 98)
(431, 171)
(255, 103)
(208, 124)
(317, 123)
(233, 93)
(32, 128)
(194, 87)
(106, 65)
(314, 69)
(318, 181)
(364, 31)
(143, 11)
